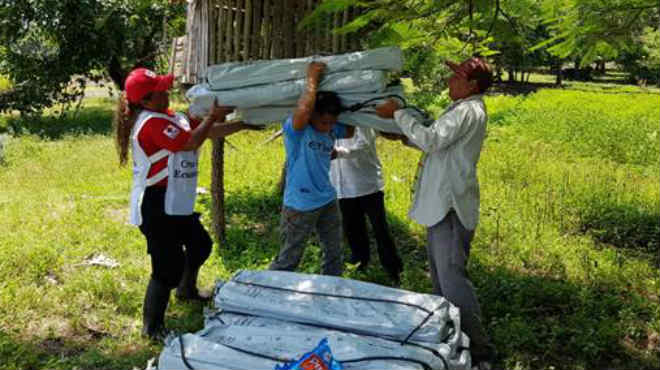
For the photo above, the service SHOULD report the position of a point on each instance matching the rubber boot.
(153, 314)
(187, 289)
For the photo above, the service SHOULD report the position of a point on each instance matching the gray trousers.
(295, 228)
(448, 251)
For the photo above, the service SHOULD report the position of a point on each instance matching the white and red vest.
(181, 171)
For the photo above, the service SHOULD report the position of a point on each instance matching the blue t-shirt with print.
(308, 165)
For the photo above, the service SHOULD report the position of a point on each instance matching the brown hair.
(125, 115)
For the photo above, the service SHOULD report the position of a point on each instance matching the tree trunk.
(558, 80)
(117, 73)
(218, 189)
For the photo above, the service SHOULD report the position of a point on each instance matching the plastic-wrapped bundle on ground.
(342, 304)
(202, 97)
(234, 341)
(244, 74)
(191, 351)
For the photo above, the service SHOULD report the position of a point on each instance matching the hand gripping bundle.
(267, 319)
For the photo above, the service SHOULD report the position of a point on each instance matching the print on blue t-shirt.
(308, 164)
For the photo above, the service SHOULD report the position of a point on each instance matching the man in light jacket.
(446, 198)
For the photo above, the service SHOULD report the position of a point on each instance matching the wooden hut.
(219, 31)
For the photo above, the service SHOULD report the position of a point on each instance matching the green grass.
(4, 83)
(565, 258)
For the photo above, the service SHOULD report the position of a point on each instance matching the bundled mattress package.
(268, 318)
(364, 116)
(267, 91)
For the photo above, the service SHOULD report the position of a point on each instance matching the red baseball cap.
(142, 81)
(475, 69)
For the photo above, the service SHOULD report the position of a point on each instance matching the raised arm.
(307, 100)
(448, 128)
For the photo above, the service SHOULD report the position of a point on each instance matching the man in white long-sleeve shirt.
(356, 174)
(446, 198)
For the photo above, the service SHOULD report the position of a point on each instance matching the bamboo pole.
(247, 28)
(238, 27)
(278, 16)
(268, 30)
(309, 40)
(354, 43)
(229, 30)
(301, 37)
(342, 41)
(289, 39)
(220, 41)
(256, 29)
(335, 37)
(212, 32)
(317, 47)
(203, 57)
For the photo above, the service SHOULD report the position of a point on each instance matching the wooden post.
(218, 189)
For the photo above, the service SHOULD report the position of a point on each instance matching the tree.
(596, 30)
(50, 43)
(430, 31)
(642, 61)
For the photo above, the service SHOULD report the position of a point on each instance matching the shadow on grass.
(520, 88)
(601, 86)
(624, 226)
(541, 322)
(88, 349)
(59, 352)
(88, 120)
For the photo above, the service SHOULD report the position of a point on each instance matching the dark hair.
(327, 102)
(124, 119)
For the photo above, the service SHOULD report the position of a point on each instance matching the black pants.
(166, 237)
(353, 211)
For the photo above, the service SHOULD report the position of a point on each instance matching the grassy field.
(565, 258)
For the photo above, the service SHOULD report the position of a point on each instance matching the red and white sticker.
(171, 131)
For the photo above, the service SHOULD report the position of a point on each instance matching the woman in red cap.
(164, 147)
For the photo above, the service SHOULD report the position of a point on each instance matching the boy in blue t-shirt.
(310, 200)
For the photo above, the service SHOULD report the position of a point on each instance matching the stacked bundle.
(267, 91)
(272, 317)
